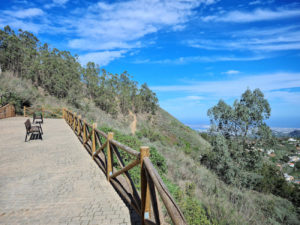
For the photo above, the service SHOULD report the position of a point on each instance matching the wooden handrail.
(126, 168)
(173, 210)
(100, 149)
(44, 110)
(126, 148)
(150, 179)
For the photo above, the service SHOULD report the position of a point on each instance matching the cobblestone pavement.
(53, 181)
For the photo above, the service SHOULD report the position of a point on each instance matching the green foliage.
(61, 75)
(297, 165)
(191, 207)
(238, 133)
(146, 100)
(193, 210)
(235, 152)
(278, 211)
(245, 168)
(274, 183)
(219, 159)
(245, 118)
(205, 136)
(158, 161)
(90, 77)
(17, 92)
(133, 142)
(151, 134)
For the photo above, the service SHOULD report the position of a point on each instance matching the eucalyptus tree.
(244, 130)
(245, 118)
(91, 78)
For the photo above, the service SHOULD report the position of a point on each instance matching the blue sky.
(191, 53)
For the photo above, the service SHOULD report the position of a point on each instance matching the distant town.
(286, 155)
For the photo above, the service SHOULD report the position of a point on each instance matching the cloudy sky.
(191, 53)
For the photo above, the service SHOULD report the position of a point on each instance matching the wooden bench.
(37, 118)
(32, 129)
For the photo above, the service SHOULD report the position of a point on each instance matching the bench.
(32, 129)
(37, 118)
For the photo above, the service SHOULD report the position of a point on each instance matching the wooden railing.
(28, 111)
(7, 111)
(104, 149)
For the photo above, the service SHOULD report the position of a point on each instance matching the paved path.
(53, 181)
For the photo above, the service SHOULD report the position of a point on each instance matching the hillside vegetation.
(35, 75)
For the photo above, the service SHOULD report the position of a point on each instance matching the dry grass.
(226, 204)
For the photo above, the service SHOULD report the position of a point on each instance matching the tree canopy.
(246, 116)
(61, 75)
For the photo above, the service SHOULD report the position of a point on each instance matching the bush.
(297, 165)
(157, 159)
(151, 134)
(192, 208)
(17, 92)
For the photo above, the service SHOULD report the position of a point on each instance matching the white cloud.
(194, 97)
(278, 31)
(232, 72)
(111, 26)
(60, 2)
(94, 44)
(263, 40)
(101, 58)
(276, 88)
(234, 87)
(254, 16)
(204, 59)
(24, 13)
(189, 98)
(119, 24)
(286, 96)
(257, 2)
(19, 24)
(56, 3)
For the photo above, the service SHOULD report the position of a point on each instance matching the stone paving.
(54, 180)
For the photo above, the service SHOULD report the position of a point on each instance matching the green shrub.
(131, 141)
(151, 134)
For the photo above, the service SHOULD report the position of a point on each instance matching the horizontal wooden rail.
(30, 110)
(173, 210)
(126, 168)
(100, 149)
(103, 148)
(7, 111)
(101, 133)
(126, 148)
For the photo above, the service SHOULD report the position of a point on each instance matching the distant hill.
(295, 133)
(286, 132)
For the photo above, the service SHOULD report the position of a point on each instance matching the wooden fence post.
(84, 131)
(63, 113)
(69, 117)
(110, 136)
(74, 121)
(93, 139)
(78, 127)
(24, 110)
(145, 191)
